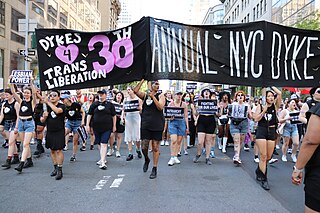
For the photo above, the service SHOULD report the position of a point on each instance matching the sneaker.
(212, 155)
(289, 151)
(277, 147)
(83, 148)
(236, 161)
(246, 148)
(256, 160)
(252, 144)
(118, 154)
(203, 151)
(196, 159)
(32, 141)
(91, 147)
(103, 166)
(130, 157)
(294, 158)
(162, 143)
(5, 145)
(208, 162)
(219, 146)
(166, 143)
(179, 154)
(109, 153)
(273, 160)
(73, 158)
(185, 152)
(224, 150)
(284, 158)
(171, 161)
(65, 148)
(176, 160)
(99, 162)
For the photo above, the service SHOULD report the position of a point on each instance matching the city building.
(290, 12)
(83, 15)
(214, 15)
(110, 11)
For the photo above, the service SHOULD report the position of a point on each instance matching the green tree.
(310, 23)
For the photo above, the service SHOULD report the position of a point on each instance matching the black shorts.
(268, 133)
(312, 202)
(120, 128)
(206, 124)
(151, 135)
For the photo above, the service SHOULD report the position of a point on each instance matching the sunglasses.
(240, 95)
(318, 91)
(53, 95)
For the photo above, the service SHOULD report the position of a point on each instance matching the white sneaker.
(65, 148)
(176, 160)
(277, 147)
(273, 160)
(236, 160)
(99, 162)
(110, 151)
(166, 143)
(257, 160)
(32, 141)
(118, 154)
(284, 158)
(289, 151)
(219, 146)
(162, 143)
(224, 150)
(294, 158)
(171, 162)
(186, 152)
(103, 166)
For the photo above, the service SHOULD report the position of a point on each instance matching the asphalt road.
(123, 187)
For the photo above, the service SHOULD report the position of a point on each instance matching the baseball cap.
(103, 91)
(313, 90)
(64, 96)
(178, 92)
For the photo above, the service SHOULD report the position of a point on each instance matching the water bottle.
(44, 107)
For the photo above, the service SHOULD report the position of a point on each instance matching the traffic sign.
(31, 52)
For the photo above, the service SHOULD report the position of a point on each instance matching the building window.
(1, 62)
(257, 11)
(37, 9)
(265, 5)
(248, 17)
(261, 7)
(52, 20)
(15, 16)
(242, 6)
(63, 19)
(16, 62)
(2, 13)
(17, 38)
(254, 14)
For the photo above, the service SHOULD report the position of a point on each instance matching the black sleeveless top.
(9, 112)
(311, 103)
(26, 108)
(269, 118)
(151, 118)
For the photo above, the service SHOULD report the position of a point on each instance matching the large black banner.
(256, 54)
(73, 60)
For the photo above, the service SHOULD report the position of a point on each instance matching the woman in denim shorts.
(9, 115)
(290, 131)
(239, 123)
(26, 125)
(178, 128)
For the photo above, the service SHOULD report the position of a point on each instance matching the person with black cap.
(104, 123)
(54, 116)
(304, 112)
(152, 122)
(75, 118)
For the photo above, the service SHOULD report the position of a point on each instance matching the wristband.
(295, 169)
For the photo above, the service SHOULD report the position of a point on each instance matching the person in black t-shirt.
(75, 118)
(104, 122)
(309, 158)
(54, 118)
(152, 123)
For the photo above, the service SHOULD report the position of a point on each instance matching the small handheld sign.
(131, 106)
(21, 77)
(237, 111)
(82, 133)
(207, 106)
(191, 87)
(174, 112)
(294, 117)
(118, 108)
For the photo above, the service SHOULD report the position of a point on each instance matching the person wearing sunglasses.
(315, 98)
(26, 125)
(239, 112)
(53, 116)
(266, 116)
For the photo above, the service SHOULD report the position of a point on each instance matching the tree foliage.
(310, 23)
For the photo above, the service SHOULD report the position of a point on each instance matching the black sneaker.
(7, 164)
(83, 148)
(252, 144)
(153, 174)
(130, 157)
(73, 158)
(139, 154)
(208, 162)
(246, 148)
(196, 159)
(91, 147)
(179, 154)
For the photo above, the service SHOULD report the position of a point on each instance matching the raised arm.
(14, 93)
(137, 91)
(279, 96)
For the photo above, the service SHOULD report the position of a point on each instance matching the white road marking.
(101, 183)
(116, 183)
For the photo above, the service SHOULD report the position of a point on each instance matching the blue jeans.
(177, 127)
(26, 125)
(73, 125)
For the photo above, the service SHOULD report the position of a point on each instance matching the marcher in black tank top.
(266, 116)
(152, 122)
(26, 124)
